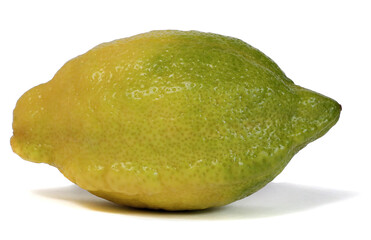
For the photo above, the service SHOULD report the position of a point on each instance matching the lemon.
(174, 120)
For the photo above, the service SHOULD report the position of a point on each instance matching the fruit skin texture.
(170, 120)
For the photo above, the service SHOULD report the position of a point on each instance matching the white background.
(324, 193)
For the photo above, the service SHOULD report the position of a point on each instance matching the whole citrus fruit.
(170, 120)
